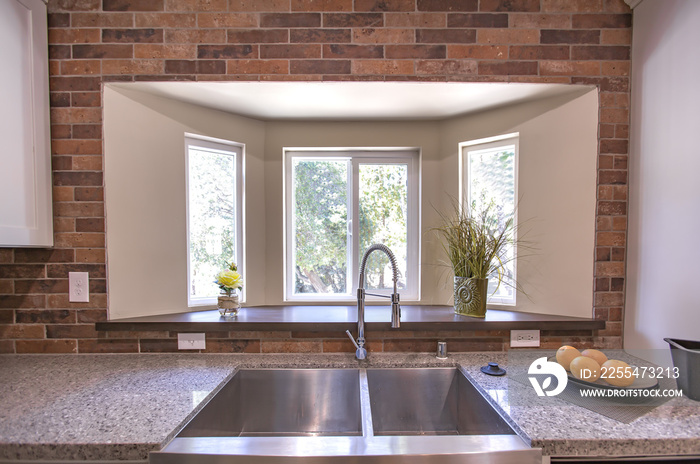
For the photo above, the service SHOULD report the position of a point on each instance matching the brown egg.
(585, 368)
(566, 354)
(617, 373)
(598, 356)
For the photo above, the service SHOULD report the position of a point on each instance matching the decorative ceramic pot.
(470, 296)
(228, 304)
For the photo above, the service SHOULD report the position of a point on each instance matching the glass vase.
(228, 304)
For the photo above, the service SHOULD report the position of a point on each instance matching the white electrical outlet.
(191, 341)
(78, 287)
(524, 338)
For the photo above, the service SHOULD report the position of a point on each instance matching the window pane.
(492, 182)
(383, 213)
(320, 226)
(212, 200)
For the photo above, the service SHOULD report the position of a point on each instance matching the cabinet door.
(26, 216)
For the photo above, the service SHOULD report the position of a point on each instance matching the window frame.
(238, 151)
(411, 156)
(490, 143)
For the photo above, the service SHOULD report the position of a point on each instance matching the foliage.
(320, 212)
(476, 241)
(211, 217)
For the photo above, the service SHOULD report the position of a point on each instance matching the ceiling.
(352, 100)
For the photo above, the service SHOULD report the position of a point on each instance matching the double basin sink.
(381, 415)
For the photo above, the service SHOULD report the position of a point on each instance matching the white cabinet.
(26, 217)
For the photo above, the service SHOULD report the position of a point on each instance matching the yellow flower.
(229, 279)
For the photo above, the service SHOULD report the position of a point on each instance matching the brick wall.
(97, 41)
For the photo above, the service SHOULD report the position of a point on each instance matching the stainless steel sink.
(430, 402)
(368, 416)
(282, 402)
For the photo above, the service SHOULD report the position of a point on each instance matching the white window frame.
(489, 143)
(411, 156)
(238, 151)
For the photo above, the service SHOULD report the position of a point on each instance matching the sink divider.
(365, 406)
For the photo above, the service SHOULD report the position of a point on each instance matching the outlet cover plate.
(78, 287)
(191, 341)
(524, 338)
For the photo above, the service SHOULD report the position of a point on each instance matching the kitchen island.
(121, 407)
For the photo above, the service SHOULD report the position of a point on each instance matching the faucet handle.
(352, 339)
(360, 352)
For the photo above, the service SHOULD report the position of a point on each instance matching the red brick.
(569, 68)
(226, 51)
(90, 225)
(614, 115)
(322, 5)
(78, 178)
(46, 346)
(72, 84)
(384, 5)
(92, 255)
(86, 100)
(71, 331)
(447, 5)
(103, 51)
(446, 67)
(613, 146)
(257, 67)
(78, 209)
(59, 99)
(559, 36)
(79, 239)
(539, 21)
(258, 36)
(446, 36)
(195, 36)
(42, 255)
(196, 5)
(388, 67)
(181, 20)
(91, 315)
(102, 19)
(232, 346)
(378, 36)
(352, 51)
(63, 224)
(76, 147)
(290, 51)
(354, 20)
(6, 255)
(290, 20)
(58, 20)
(73, 36)
(161, 51)
(60, 301)
(132, 35)
(320, 35)
(616, 68)
(26, 271)
(477, 20)
(21, 301)
(21, 331)
(509, 5)
(319, 67)
(415, 51)
(603, 52)
(616, 37)
(107, 346)
(507, 68)
(290, 346)
(572, 6)
(59, 52)
(89, 194)
(612, 208)
(539, 52)
(508, 36)
(478, 52)
(601, 21)
(41, 286)
(133, 5)
(132, 66)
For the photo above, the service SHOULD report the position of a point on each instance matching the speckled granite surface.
(123, 406)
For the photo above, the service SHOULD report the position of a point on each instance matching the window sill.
(342, 317)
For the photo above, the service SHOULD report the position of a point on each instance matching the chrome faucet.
(361, 352)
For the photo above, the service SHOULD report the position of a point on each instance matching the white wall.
(662, 298)
(145, 199)
(557, 195)
(145, 196)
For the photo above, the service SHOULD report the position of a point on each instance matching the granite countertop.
(121, 407)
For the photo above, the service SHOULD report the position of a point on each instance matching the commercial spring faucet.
(361, 352)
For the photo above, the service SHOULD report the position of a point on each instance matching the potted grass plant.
(476, 243)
